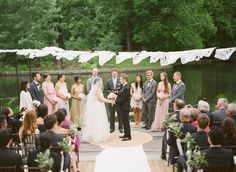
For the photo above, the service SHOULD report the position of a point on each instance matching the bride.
(95, 116)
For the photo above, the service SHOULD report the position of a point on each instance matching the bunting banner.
(224, 53)
(122, 56)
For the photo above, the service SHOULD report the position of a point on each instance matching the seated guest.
(8, 158)
(60, 118)
(42, 111)
(228, 127)
(3, 121)
(50, 122)
(66, 123)
(194, 116)
(216, 155)
(45, 143)
(29, 129)
(204, 107)
(201, 137)
(220, 114)
(231, 111)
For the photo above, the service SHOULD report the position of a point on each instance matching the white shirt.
(25, 100)
(149, 82)
(114, 80)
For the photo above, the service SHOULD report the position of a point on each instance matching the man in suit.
(123, 101)
(113, 85)
(149, 99)
(220, 114)
(178, 89)
(8, 158)
(35, 88)
(231, 111)
(91, 79)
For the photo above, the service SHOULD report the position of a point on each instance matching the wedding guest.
(50, 97)
(148, 97)
(7, 156)
(42, 111)
(216, 155)
(62, 93)
(77, 94)
(25, 97)
(231, 111)
(35, 88)
(90, 81)
(45, 144)
(220, 114)
(229, 130)
(136, 100)
(113, 85)
(66, 123)
(29, 129)
(3, 121)
(204, 107)
(162, 106)
(178, 88)
(60, 118)
(194, 116)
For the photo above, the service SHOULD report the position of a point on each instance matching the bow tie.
(38, 84)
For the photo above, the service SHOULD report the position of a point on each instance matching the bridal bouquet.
(36, 103)
(137, 97)
(68, 95)
(112, 96)
(56, 99)
(81, 96)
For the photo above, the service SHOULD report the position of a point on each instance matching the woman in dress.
(25, 97)
(62, 93)
(95, 116)
(136, 100)
(163, 94)
(77, 94)
(49, 94)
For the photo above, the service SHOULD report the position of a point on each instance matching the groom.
(123, 101)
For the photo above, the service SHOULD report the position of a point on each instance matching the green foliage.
(65, 145)
(44, 160)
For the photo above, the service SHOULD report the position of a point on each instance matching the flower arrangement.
(45, 161)
(175, 128)
(198, 161)
(73, 130)
(112, 96)
(168, 120)
(66, 145)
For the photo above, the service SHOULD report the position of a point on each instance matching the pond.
(206, 79)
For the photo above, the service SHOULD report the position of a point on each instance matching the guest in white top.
(25, 97)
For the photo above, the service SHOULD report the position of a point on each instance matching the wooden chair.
(217, 168)
(31, 169)
(8, 169)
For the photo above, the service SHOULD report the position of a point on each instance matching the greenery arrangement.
(168, 120)
(45, 161)
(65, 145)
(171, 124)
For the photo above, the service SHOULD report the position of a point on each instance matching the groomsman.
(35, 88)
(113, 85)
(149, 99)
(178, 88)
(91, 79)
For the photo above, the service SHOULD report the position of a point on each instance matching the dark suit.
(201, 139)
(35, 92)
(218, 156)
(113, 109)
(177, 92)
(148, 107)
(218, 116)
(10, 158)
(123, 100)
(56, 160)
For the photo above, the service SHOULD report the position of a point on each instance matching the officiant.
(113, 86)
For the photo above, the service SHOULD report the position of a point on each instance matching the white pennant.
(104, 56)
(224, 53)
(122, 56)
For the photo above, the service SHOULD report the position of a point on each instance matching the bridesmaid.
(77, 94)
(163, 94)
(25, 97)
(62, 93)
(49, 94)
(136, 99)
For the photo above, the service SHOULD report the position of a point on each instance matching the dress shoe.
(112, 130)
(122, 137)
(126, 139)
(121, 130)
(147, 128)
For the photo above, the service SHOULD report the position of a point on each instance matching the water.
(206, 79)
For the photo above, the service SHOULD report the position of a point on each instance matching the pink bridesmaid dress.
(161, 107)
(49, 87)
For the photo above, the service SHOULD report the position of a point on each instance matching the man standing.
(178, 88)
(91, 79)
(113, 85)
(35, 88)
(149, 99)
(123, 101)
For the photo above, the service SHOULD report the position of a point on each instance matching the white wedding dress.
(95, 119)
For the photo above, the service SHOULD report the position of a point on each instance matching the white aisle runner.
(128, 159)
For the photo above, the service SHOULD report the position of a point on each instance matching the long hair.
(24, 86)
(29, 124)
(141, 82)
(228, 127)
(166, 82)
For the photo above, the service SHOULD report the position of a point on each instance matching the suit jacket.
(56, 160)
(219, 155)
(177, 92)
(10, 158)
(123, 98)
(201, 139)
(149, 91)
(90, 83)
(218, 116)
(110, 85)
(35, 92)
